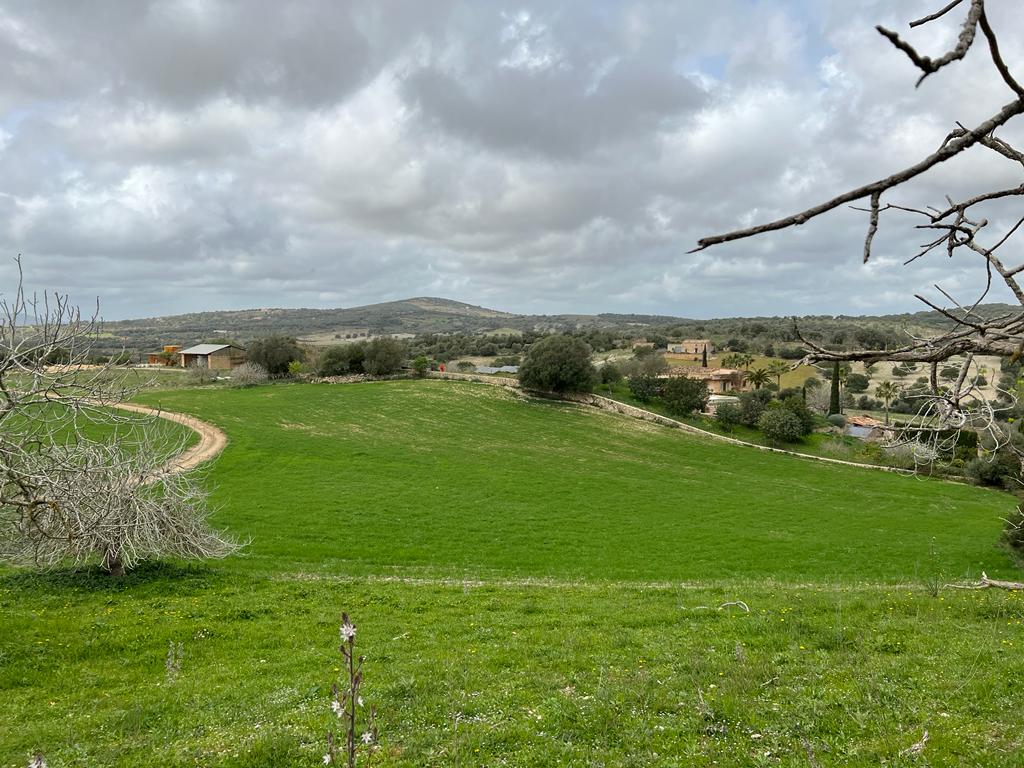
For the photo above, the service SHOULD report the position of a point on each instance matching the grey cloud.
(534, 156)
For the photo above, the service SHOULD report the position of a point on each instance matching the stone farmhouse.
(217, 357)
(691, 348)
(717, 380)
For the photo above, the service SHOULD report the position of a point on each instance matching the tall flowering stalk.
(346, 701)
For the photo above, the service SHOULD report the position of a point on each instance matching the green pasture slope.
(535, 584)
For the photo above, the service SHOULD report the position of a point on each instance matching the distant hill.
(428, 314)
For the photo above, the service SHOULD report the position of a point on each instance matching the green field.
(535, 584)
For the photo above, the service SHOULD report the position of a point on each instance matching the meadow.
(534, 583)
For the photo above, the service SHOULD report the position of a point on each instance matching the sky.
(172, 156)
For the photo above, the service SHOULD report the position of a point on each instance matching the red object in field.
(441, 367)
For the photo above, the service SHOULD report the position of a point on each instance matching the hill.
(432, 315)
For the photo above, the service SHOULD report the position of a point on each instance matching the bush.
(1013, 532)
(999, 470)
(643, 387)
(798, 408)
(728, 415)
(198, 376)
(752, 405)
(342, 359)
(836, 420)
(610, 374)
(683, 395)
(421, 365)
(558, 363)
(384, 356)
(857, 383)
(296, 368)
(274, 353)
(248, 375)
(464, 366)
(780, 425)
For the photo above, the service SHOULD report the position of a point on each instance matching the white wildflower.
(327, 759)
(359, 701)
(337, 708)
(367, 738)
(37, 761)
(348, 631)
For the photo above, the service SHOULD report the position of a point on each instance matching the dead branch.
(986, 583)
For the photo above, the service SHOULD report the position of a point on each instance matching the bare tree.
(955, 226)
(70, 491)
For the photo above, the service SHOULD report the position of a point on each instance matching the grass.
(534, 584)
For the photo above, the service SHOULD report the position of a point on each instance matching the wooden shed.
(217, 357)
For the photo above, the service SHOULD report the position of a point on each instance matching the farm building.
(692, 348)
(218, 357)
(717, 380)
(866, 428)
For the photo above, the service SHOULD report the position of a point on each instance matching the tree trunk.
(112, 564)
(833, 401)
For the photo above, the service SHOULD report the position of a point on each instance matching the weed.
(346, 701)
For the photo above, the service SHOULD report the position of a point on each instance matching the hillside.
(425, 315)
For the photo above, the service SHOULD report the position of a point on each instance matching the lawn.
(535, 584)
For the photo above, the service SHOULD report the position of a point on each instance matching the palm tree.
(758, 377)
(732, 361)
(745, 360)
(888, 391)
(777, 368)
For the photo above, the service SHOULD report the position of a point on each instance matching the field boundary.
(607, 404)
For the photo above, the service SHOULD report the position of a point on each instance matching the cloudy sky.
(549, 156)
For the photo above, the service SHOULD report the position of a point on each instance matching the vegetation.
(682, 395)
(274, 353)
(558, 364)
(780, 425)
(527, 569)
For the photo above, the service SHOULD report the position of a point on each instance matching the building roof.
(205, 349)
(862, 421)
(695, 372)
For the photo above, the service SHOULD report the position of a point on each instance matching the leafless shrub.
(249, 375)
(63, 496)
(172, 664)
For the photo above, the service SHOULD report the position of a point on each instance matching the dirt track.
(212, 440)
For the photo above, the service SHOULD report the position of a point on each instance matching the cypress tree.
(704, 357)
(833, 400)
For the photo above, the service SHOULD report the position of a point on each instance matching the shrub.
(296, 368)
(248, 375)
(384, 356)
(780, 425)
(798, 408)
(752, 405)
(683, 395)
(610, 374)
(643, 386)
(728, 415)
(274, 353)
(857, 383)
(342, 359)
(999, 470)
(1013, 532)
(464, 366)
(421, 365)
(837, 420)
(558, 363)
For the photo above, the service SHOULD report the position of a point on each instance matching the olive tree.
(558, 363)
(67, 497)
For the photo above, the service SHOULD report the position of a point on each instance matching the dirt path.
(212, 440)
